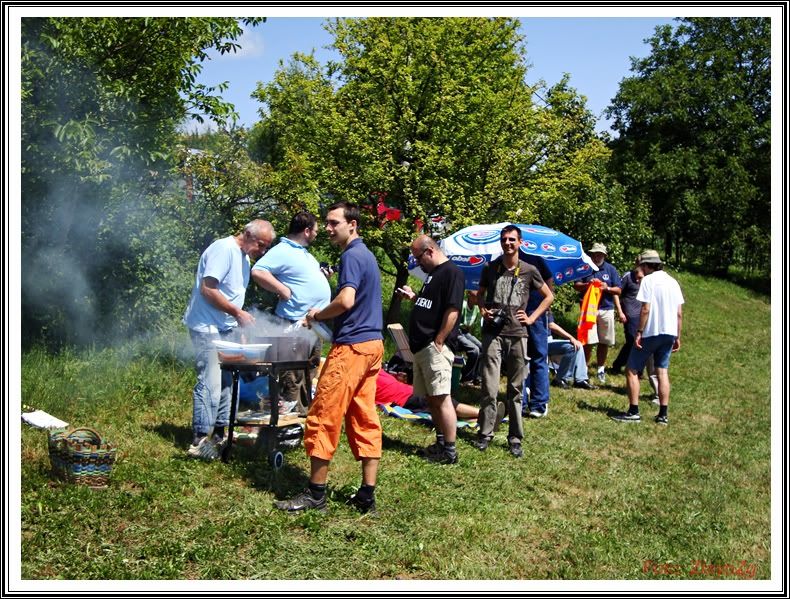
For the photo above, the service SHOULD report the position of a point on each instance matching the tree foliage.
(694, 138)
(435, 115)
(101, 100)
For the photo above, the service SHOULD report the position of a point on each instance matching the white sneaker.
(286, 407)
(656, 401)
(205, 450)
(536, 414)
(283, 407)
(602, 376)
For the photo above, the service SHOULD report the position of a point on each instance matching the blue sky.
(594, 51)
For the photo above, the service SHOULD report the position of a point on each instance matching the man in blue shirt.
(346, 393)
(603, 333)
(289, 271)
(535, 399)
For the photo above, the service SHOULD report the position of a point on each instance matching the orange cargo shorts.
(346, 394)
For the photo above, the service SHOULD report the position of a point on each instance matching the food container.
(242, 352)
(287, 349)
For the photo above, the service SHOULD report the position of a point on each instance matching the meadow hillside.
(591, 499)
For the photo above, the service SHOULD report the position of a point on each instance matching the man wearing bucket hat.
(629, 310)
(602, 334)
(658, 334)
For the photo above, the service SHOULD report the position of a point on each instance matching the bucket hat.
(649, 257)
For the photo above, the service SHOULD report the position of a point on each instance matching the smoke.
(269, 325)
(110, 242)
(57, 264)
(108, 248)
(53, 278)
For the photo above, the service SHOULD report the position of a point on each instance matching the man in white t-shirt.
(214, 312)
(658, 334)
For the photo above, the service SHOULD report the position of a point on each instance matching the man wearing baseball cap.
(658, 334)
(603, 333)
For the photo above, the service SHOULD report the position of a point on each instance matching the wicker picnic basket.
(81, 456)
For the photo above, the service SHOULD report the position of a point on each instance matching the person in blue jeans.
(535, 400)
(214, 312)
(467, 342)
(572, 368)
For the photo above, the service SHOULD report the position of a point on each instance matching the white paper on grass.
(40, 419)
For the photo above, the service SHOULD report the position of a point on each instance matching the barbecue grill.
(282, 354)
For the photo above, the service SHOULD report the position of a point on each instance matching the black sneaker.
(584, 385)
(432, 449)
(560, 383)
(481, 443)
(662, 420)
(626, 417)
(363, 506)
(445, 457)
(515, 450)
(302, 502)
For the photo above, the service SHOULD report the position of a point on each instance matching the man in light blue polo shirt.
(294, 275)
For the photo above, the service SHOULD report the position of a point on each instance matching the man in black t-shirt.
(433, 327)
(505, 285)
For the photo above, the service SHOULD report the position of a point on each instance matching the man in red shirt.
(390, 390)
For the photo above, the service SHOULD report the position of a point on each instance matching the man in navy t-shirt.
(603, 333)
(346, 391)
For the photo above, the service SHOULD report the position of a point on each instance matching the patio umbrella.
(473, 247)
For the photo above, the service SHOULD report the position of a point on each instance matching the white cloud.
(252, 45)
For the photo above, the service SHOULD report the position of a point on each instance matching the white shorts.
(603, 331)
(433, 371)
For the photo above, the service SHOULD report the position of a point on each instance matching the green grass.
(591, 499)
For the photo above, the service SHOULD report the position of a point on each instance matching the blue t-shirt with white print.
(609, 275)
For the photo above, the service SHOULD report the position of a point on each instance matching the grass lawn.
(591, 499)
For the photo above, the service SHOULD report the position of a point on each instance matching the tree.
(433, 115)
(573, 190)
(694, 138)
(101, 100)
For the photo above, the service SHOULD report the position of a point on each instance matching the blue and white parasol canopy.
(473, 247)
